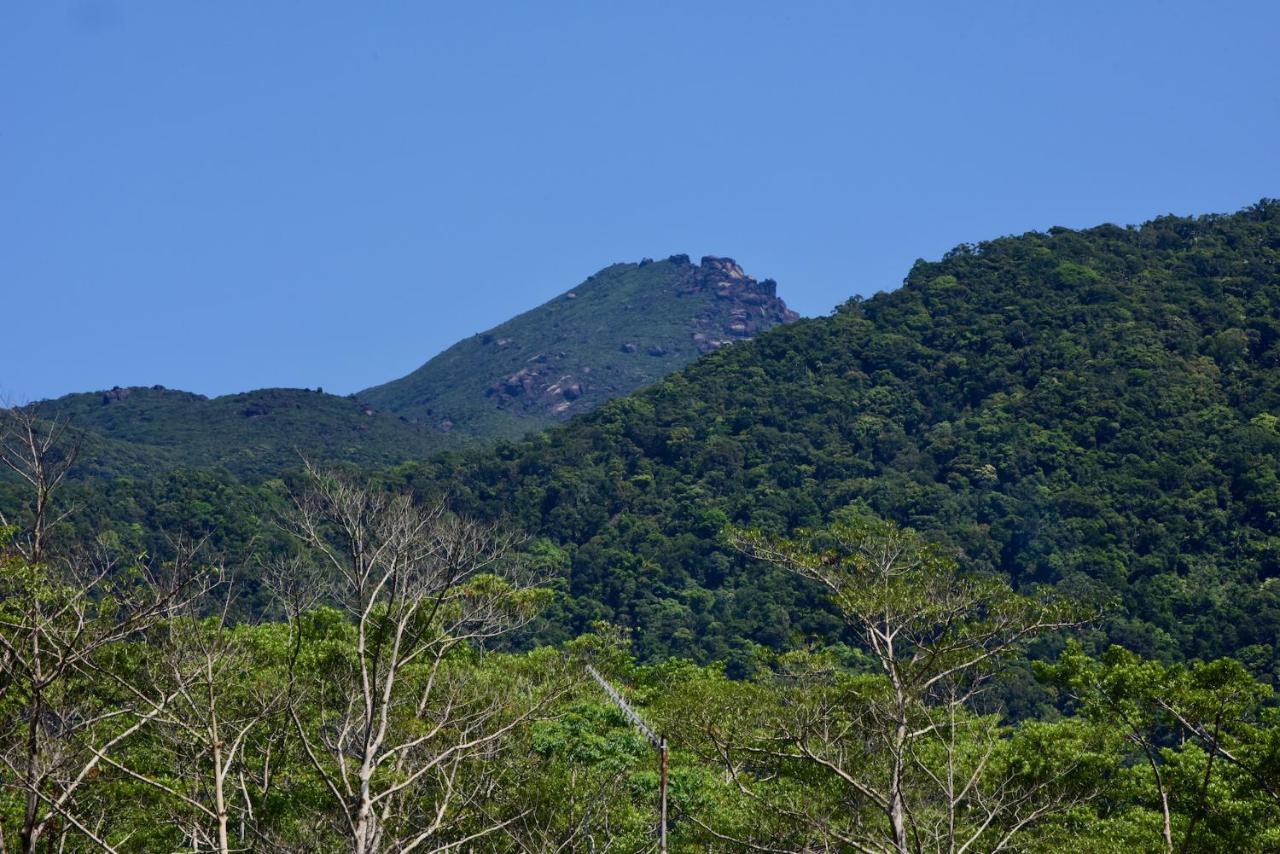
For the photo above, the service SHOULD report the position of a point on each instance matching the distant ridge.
(141, 431)
(621, 329)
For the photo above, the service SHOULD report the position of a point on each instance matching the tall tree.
(905, 739)
(404, 728)
(209, 752)
(1201, 739)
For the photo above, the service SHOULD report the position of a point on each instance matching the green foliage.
(1113, 439)
(577, 776)
(1110, 439)
(1080, 416)
(253, 435)
(1193, 748)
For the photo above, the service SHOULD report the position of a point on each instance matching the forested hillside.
(372, 713)
(988, 562)
(1090, 409)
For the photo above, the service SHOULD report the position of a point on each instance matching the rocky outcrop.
(742, 307)
(725, 305)
(543, 384)
(116, 395)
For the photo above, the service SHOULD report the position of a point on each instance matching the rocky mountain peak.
(621, 329)
(726, 267)
(743, 307)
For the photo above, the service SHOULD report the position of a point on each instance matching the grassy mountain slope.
(1092, 409)
(621, 329)
(140, 431)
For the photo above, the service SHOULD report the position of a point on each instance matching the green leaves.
(1198, 741)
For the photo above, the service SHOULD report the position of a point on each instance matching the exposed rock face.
(541, 385)
(723, 267)
(742, 308)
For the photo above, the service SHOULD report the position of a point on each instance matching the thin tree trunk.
(897, 810)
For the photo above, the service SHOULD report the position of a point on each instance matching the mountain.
(622, 329)
(1094, 410)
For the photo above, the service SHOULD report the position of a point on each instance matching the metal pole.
(662, 786)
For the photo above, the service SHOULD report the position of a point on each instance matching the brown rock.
(724, 266)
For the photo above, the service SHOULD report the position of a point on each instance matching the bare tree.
(41, 453)
(216, 735)
(579, 814)
(906, 744)
(63, 708)
(405, 731)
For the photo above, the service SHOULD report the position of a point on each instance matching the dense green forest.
(373, 712)
(1094, 410)
(986, 562)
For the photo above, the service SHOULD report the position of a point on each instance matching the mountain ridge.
(1096, 410)
(540, 367)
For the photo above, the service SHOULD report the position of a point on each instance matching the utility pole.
(658, 742)
(662, 789)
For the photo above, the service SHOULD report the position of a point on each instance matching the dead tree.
(215, 737)
(404, 730)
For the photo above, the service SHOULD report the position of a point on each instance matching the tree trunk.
(897, 809)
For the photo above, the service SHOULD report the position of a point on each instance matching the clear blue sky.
(226, 195)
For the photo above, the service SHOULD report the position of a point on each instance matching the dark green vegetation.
(986, 563)
(1094, 410)
(381, 720)
(620, 330)
(142, 431)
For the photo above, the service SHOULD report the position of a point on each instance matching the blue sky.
(219, 196)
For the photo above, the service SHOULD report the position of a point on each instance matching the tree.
(903, 738)
(1202, 733)
(210, 750)
(401, 724)
(63, 707)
